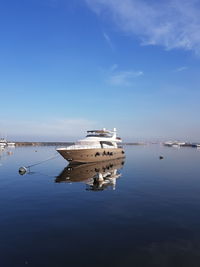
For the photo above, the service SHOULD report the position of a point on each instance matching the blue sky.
(68, 66)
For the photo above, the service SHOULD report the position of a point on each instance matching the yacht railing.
(82, 147)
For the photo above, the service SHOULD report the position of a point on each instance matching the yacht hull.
(91, 155)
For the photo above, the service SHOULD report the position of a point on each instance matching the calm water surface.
(146, 212)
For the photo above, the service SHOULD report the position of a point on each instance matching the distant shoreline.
(43, 143)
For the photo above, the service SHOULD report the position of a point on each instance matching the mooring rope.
(23, 170)
(42, 161)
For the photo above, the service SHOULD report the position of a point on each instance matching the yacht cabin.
(98, 139)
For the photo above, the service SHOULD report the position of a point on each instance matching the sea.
(143, 210)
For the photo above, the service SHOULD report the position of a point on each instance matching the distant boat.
(3, 142)
(99, 145)
(174, 143)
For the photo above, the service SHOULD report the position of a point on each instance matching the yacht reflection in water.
(97, 176)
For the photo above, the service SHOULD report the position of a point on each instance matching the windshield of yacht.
(87, 143)
(99, 135)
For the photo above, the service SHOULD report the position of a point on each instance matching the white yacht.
(99, 145)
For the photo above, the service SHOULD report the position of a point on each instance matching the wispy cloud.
(113, 67)
(122, 77)
(181, 69)
(172, 23)
(108, 40)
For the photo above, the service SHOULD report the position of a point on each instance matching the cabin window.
(106, 144)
